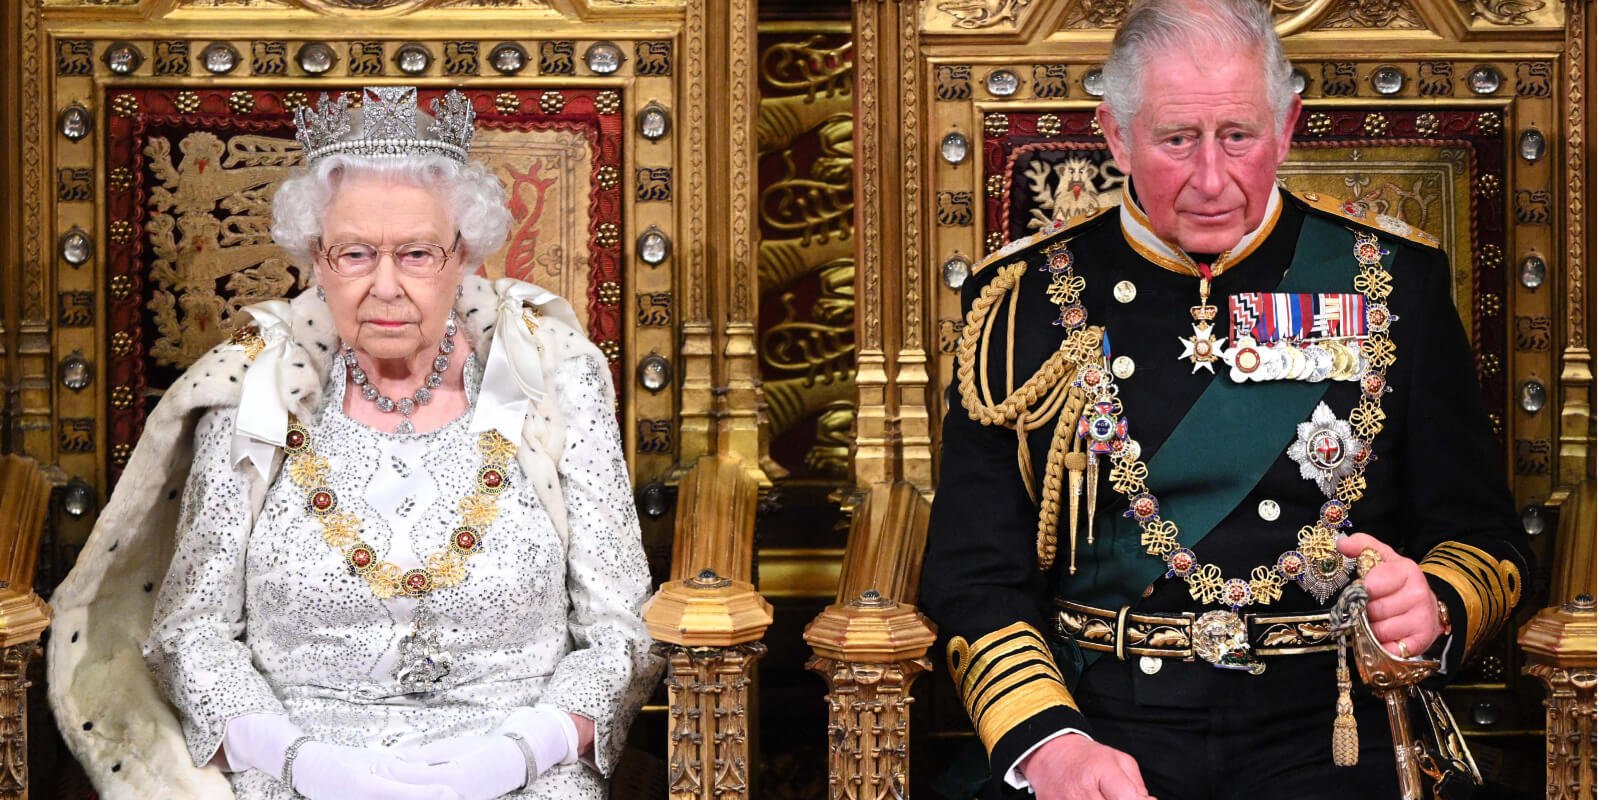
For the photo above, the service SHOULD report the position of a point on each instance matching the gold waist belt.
(1223, 638)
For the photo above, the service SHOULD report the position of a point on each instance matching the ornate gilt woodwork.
(893, 435)
(1467, 117)
(24, 503)
(872, 644)
(652, 102)
(1560, 647)
(707, 622)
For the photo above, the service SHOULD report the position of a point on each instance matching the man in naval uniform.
(1174, 427)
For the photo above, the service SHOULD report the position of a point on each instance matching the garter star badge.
(1325, 449)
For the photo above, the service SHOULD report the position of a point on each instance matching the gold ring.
(1368, 559)
(1404, 653)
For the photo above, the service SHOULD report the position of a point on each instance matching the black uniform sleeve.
(981, 584)
(1466, 533)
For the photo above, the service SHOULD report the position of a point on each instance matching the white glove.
(484, 767)
(261, 741)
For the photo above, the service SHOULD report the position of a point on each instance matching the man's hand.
(1400, 603)
(1075, 767)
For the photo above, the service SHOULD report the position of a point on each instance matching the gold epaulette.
(1054, 229)
(1359, 214)
(1489, 587)
(1004, 678)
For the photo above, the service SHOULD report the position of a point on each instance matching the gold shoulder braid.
(342, 530)
(1047, 395)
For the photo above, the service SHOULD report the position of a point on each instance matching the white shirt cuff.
(1014, 777)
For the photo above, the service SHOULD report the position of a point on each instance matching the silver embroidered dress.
(259, 614)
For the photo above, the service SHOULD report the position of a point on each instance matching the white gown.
(268, 617)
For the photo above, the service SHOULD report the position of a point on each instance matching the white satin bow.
(514, 372)
(263, 418)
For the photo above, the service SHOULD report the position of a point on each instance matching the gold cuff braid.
(1489, 588)
(1006, 677)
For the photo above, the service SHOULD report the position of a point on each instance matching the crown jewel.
(389, 125)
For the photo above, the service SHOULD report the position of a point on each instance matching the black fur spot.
(114, 546)
(117, 767)
(233, 378)
(172, 494)
(148, 586)
(74, 636)
(88, 726)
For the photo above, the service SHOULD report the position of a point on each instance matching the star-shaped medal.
(1201, 348)
(1325, 448)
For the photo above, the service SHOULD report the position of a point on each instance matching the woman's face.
(387, 313)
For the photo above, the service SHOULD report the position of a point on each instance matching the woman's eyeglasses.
(416, 259)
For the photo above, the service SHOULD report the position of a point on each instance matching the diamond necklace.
(424, 393)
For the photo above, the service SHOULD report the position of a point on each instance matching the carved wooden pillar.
(24, 502)
(893, 439)
(1560, 646)
(721, 372)
(871, 648)
(708, 622)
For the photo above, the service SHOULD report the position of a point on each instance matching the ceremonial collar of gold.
(1144, 241)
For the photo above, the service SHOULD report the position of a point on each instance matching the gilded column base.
(14, 684)
(708, 744)
(1560, 647)
(870, 651)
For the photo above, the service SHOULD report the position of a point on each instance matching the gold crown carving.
(389, 125)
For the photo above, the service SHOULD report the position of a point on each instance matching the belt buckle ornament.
(1221, 640)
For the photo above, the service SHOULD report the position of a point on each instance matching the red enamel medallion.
(492, 480)
(417, 581)
(322, 502)
(465, 540)
(361, 558)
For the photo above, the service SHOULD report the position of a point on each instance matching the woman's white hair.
(472, 192)
(1168, 28)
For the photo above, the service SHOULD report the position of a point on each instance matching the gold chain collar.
(342, 530)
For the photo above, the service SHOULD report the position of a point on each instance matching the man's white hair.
(1167, 28)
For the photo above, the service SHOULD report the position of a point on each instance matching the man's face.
(1202, 148)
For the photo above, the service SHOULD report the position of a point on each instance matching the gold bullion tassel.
(1346, 741)
(1076, 462)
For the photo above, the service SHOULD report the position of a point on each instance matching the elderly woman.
(404, 560)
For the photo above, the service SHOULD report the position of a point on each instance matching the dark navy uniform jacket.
(1436, 490)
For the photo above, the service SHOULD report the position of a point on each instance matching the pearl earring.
(321, 295)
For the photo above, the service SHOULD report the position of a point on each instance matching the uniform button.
(1268, 509)
(1150, 665)
(1124, 291)
(1122, 367)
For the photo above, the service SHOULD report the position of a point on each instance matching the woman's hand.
(475, 767)
(490, 766)
(323, 771)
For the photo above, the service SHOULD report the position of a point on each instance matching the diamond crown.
(388, 125)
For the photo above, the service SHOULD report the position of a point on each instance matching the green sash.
(1217, 453)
